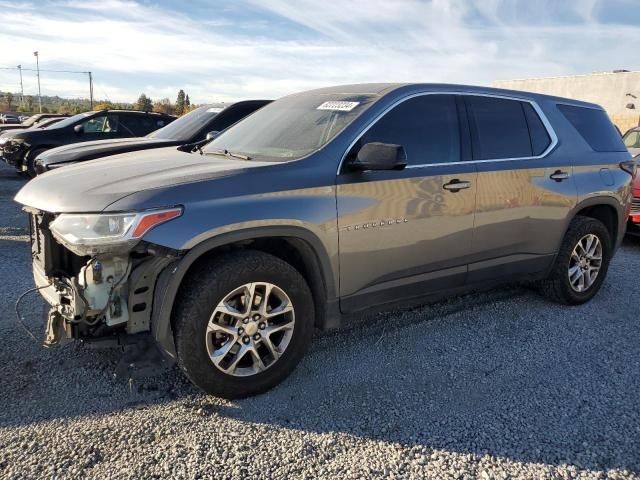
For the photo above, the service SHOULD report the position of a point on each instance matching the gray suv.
(321, 204)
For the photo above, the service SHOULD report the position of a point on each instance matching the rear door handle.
(559, 176)
(456, 185)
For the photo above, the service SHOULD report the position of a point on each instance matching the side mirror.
(78, 128)
(380, 156)
(211, 135)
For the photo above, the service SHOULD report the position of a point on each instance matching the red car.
(633, 227)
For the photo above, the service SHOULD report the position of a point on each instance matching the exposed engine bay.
(98, 295)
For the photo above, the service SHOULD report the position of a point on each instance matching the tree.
(180, 103)
(164, 106)
(187, 103)
(144, 103)
(102, 106)
(8, 100)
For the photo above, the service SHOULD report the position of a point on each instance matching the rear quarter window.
(594, 127)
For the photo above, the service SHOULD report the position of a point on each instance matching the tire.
(30, 161)
(199, 300)
(558, 286)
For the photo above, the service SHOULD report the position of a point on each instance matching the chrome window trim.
(545, 121)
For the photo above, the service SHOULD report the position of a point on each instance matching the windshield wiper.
(227, 153)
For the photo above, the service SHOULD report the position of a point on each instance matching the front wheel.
(581, 264)
(30, 161)
(242, 323)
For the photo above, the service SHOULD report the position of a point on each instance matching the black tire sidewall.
(193, 357)
(30, 161)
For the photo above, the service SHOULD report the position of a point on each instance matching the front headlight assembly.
(10, 143)
(93, 233)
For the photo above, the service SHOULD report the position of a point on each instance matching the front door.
(101, 127)
(407, 233)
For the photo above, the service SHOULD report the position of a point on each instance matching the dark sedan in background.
(20, 149)
(32, 121)
(44, 123)
(190, 129)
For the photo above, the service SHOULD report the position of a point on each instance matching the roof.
(132, 111)
(381, 89)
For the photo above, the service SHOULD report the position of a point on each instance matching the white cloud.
(134, 47)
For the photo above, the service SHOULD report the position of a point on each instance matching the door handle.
(559, 176)
(456, 185)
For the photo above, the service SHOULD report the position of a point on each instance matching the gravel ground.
(495, 385)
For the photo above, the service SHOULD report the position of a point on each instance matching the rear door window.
(139, 124)
(499, 128)
(595, 127)
(426, 126)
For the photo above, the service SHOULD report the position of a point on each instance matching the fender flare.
(608, 200)
(171, 278)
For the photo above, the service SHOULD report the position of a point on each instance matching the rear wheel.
(581, 264)
(242, 323)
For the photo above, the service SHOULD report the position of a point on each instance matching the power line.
(38, 70)
(43, 70)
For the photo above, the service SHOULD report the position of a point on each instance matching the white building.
(618, 92)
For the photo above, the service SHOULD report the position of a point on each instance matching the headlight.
(91, 233)
(11, 144)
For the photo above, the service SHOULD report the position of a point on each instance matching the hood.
(11, 126)
(76, 152)
(31, 135)
(94, 185)
(7, 133)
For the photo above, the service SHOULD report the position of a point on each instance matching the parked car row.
(189, 130)
(29, 122)
(225, 254)
(21, 148)
(9, 118)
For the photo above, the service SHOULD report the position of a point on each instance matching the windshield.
(31, 120)
(185, 127)
(632, 139)
(71, 120)
(292, 127)
(47, 122)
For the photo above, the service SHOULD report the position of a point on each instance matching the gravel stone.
(498, 385)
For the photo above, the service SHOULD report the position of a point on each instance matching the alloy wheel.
(585, 263)
(250, 329)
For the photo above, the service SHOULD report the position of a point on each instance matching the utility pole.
(90, 89)
(21, 87)
(38, 70)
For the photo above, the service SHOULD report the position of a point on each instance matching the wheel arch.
(295, 245)
(606, 209)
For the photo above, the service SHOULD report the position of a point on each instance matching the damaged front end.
(96, 272)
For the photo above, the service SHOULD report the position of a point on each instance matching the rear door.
(406, 233)
(525, 191)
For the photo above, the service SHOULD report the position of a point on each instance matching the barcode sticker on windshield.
(215, 109)
(339, 106)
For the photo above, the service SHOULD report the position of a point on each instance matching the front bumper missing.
(13, 154)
